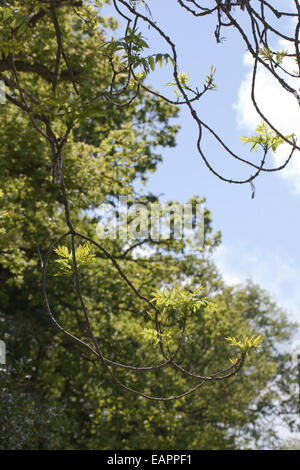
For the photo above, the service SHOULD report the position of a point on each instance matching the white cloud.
(279, 106)
(278, 275)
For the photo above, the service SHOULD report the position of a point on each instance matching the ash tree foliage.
(260, 25)
(80, 126)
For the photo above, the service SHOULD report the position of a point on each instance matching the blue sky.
(261, 235)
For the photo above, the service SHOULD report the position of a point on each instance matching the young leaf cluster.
(181, 299)
(266, 138)
(245, 345)
(83, 256)
(275, 58)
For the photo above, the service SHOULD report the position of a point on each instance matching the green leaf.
(151, 63)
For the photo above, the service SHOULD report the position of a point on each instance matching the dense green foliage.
(54, 394)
